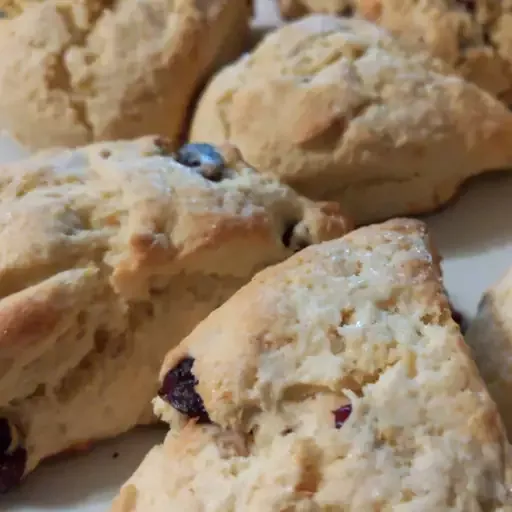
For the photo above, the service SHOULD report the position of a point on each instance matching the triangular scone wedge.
(335, 381)
(110, 255)
(338, 109)
(490, 339)
(73, 72)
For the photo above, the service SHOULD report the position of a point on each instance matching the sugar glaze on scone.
(335, 381)
(77, 71)
(111, 254)
(490, 338)
(339, 110)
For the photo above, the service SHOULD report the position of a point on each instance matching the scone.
(338, 110)
(13, 8)
(291, 9)
(76, 71)
(110, 255)
(475, 37)
(335, 381)
(490, 338)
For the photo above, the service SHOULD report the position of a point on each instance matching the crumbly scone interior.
(360, 321)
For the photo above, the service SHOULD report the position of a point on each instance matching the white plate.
(474, 236)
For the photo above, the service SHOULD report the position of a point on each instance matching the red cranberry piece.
(341, 415)
(5, 435)
(12, 461)
(178, 389)
(458, 317)
(469, 5)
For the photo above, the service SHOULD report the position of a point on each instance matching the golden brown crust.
(360, 322)
(474, 37)
(384, 131)
(111, 253)
(88, 70)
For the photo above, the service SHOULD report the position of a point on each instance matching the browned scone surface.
(13, 8)
(335, 381)
(110, 254)
(77, 71)
(475, 37)
(340, 110)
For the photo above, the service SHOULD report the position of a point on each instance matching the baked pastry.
(335, 381)
(337, 109)
(76, 71)
(291, 9)
(490, 338)
(475, 37)
(12, 8)
(110, 255)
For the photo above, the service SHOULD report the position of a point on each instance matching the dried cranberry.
(341, 415)
(469, 5)
(12, 459)
(458, 318)
(203, 157)
(5, 435)
(178, 388)
(347, 11)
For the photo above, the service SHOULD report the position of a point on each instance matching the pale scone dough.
(12, 8)
(475, 36)
(490, 338)
(76, 71)
(111, 254)
(338, 109)
(360, 323)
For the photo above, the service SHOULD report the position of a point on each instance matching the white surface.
(475, 237)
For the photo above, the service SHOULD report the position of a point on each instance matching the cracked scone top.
(77, 71)
(110, 255)
(338, 110)
(335, 381)
(490, 338)
(475, 37)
